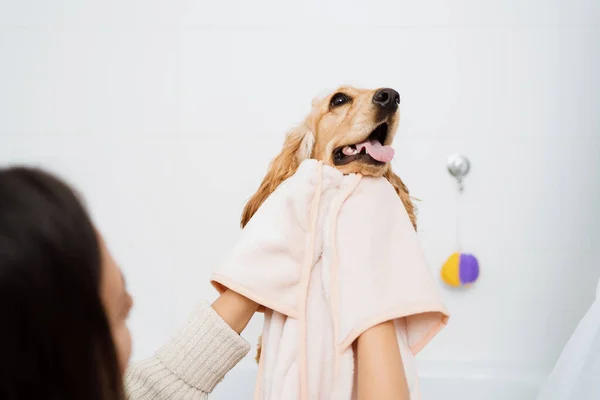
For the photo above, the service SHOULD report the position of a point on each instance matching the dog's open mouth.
(372, 150)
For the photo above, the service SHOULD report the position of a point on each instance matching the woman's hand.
(379, 368)
(235, 309)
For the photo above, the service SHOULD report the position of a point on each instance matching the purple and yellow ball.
(460, 269)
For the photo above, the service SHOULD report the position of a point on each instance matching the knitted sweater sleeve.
(191, 364)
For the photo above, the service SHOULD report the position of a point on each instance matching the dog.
(352, 130)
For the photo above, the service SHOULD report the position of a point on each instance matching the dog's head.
(350, 129)
(353, 129)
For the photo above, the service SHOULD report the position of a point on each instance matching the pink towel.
(329, 256)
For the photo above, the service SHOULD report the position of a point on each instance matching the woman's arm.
(198, 357)
(379, 368)
(235, 309)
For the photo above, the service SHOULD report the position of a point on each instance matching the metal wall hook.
(459, 166)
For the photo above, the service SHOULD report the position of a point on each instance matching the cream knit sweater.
(191, 364)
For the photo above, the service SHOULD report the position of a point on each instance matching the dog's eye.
(338, 99)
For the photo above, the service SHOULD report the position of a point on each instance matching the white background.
(165, 115)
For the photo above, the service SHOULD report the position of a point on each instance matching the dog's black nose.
(387, 98)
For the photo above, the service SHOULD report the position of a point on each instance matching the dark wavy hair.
(55, 339)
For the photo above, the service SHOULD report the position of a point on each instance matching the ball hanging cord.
(460, 268)
(457, 205)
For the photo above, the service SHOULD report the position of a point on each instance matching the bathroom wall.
(165, 115)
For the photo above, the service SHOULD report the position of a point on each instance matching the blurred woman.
(64, 306)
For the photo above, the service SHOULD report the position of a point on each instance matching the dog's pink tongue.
(376, 150)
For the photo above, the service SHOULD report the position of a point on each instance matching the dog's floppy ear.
(298, 146)
(402, 191)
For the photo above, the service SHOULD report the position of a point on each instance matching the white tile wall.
(166, 114)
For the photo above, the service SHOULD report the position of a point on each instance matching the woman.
(64, 307)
